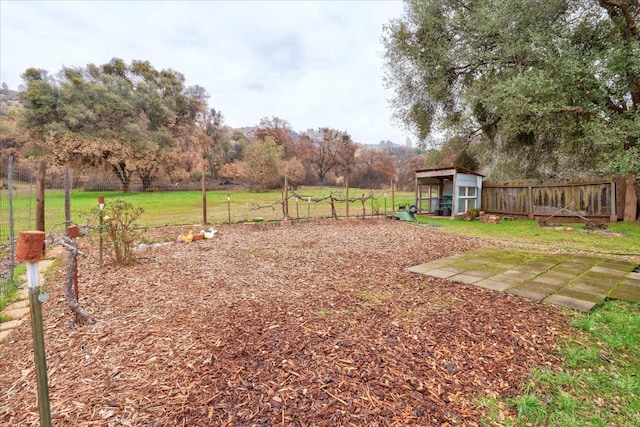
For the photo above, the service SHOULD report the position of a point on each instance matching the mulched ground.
(318, 324)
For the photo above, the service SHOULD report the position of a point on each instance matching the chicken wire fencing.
(14, 180)
(18, 203)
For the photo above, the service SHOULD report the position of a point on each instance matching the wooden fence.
(592, 198)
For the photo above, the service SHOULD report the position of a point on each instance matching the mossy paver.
(496, 285)
(575, 281)
(19, 311)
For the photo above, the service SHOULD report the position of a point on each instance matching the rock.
(489, 218)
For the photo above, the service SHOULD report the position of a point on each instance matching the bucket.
(446, 211)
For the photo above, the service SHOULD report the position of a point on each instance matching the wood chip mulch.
(316, 324)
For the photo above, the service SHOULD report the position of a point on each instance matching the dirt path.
(316, 324)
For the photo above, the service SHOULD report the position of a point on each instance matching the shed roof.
(450, 171)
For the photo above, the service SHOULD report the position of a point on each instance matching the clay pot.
(30, 246)
(73, 231)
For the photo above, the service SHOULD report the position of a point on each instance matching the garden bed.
(318, 324)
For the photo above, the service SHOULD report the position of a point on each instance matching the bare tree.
(332, 150)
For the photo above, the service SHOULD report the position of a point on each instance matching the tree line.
(522, 88)
(518, 89)
(143, 123)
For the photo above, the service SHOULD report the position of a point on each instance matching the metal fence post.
(29, 250)
(101, 218)
(12, 237)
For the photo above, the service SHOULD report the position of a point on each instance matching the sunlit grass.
(186, 207)
(597, 384)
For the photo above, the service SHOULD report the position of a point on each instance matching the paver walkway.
(574, 281)
(19, 310)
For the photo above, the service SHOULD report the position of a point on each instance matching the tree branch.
(581, 111)
(628, 16)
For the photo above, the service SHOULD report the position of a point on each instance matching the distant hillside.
(9, 99)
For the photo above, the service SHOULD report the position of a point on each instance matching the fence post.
(530, 207)
(204, 199)
(346, 184)
(393, 199)
(372, 210)
(613, 217)
(68, 184)
(29, 250)
(42, 165)
(101, 219)
(12, 239)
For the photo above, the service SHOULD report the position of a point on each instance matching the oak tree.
(127, 117)
(261, 165)
(550, 87)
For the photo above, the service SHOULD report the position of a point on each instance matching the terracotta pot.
(198, 236)
(73, 231)
(30, 246)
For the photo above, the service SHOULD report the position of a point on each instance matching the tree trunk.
(147, 180)
(42, 167)
(334, 213)
(631, 199)
(123, 175)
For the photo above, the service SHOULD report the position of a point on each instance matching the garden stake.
(73, 232)
(229, 206)
(29, 250)
(372, 212)
(309, 208)
(385, 205)
(101, 216)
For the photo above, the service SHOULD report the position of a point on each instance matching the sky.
(313, 64)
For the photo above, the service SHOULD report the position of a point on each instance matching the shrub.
(119, 217)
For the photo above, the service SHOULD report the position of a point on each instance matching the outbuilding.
(447, 191)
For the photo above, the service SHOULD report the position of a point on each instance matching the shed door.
(429, 196)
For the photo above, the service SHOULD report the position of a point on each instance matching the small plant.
(474, 212)
(531, 409)
(119, 217)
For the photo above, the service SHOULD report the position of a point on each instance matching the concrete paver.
(574, 281)
(465, 278)
(12, 324)
(19, 311)
(4, 335)
(609, 271)
(496, 285)
(527, 293)
(443, 274)
(570, 302)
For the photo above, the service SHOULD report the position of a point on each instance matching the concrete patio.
(574, 281)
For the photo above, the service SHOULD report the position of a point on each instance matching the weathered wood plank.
(589, 197)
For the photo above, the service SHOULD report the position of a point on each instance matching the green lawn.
(621, 238)
(185, 207)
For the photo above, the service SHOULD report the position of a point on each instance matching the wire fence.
(169, 203)
(15, 181)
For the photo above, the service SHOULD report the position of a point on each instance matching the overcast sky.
(314, 64)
